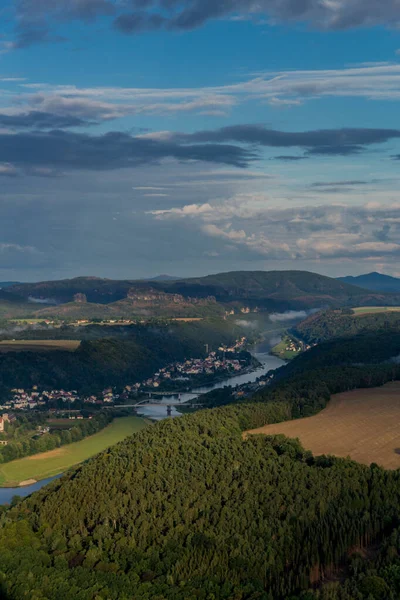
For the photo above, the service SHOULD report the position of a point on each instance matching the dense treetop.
(331, 324)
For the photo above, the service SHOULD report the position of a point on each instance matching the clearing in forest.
(362, 424)
(47, 464)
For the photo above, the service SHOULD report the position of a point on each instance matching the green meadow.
(48, 464)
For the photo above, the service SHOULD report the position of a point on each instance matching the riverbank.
(32, 469)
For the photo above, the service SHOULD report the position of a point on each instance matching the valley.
(199, 300)
(174, 494)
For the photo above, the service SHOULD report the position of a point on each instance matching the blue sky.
(208, 136)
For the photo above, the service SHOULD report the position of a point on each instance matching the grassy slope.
(47, 464)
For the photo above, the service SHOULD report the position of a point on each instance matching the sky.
(188, 137)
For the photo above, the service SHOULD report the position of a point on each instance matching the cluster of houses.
(236, 347)
(29, 399)
(191, 368)
(295, 346)
(245, 310)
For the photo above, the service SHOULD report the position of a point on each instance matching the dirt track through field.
(362, 424)
(47, 455)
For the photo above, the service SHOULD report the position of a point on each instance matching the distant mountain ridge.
(273, 291)
(6, 284)
(377, 282)
(163, 278)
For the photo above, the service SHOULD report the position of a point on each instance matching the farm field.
(38, 345)
(363, 424)
(365, 310)
(46, 464)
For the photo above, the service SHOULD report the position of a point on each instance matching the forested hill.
(369, 349)
(275, 290)
(376, 282)
(292, 289)
(187, 509)
(110, 361)
(331, 324)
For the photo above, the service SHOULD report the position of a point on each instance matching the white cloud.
(226, 234)
(366, 231)
(7, 169)
(4, 247)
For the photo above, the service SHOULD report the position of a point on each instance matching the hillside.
(96, 290)
(299, 288)
(331, 324)
(150, 304)
(376, 282)
(5, 284)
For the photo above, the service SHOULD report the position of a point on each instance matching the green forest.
(188, 510)
(330, 324)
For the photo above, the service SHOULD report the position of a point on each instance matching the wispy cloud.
(279, 89)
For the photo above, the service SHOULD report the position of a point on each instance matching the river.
(6, 494)
(157, 413)
(261, 352)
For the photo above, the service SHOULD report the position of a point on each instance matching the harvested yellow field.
(187, 319)
(38, 345)
(366, 310)
(362, 424)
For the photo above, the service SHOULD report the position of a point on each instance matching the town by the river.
(261, 353)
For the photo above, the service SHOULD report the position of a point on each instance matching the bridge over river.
(147, 403)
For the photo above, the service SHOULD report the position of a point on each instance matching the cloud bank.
(247, 224)
(36, 18)
(236, 146)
